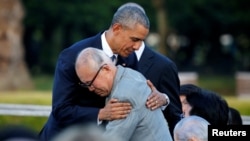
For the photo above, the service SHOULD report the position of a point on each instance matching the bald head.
(93, 67)
(92, 57)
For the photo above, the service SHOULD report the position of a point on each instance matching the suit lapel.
(146, 60)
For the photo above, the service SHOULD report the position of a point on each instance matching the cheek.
(105, 84)
(184, 107)
(122, 39)
(182, 98)
(127, 44)
(188, 109)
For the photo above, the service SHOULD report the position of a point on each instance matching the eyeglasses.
(88, 84)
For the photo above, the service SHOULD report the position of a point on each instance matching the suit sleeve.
(70, 103)
(170, 84)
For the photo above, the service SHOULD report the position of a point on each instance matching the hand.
(114, 109)
(156, 98)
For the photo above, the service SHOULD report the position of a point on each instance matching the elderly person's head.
(191, 128)
(95, 70)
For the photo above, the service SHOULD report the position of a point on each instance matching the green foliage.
(203, 22)
(43, 82)
(240, 103)
(222, 84)
(26, 97)
(51, 26)
(35, 123)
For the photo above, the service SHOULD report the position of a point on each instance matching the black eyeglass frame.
(86, 85)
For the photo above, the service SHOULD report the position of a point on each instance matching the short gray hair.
(132, 4)
(130, 15)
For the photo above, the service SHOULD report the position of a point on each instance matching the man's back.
(142, 123)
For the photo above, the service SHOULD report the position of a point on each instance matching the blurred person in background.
(17, 133)
(191, 128)
(204, 103)
(234, 117)
(86, 132)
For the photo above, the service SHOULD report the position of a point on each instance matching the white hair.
(191, 127)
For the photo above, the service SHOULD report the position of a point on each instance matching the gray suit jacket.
(163, 73)
(142, 124)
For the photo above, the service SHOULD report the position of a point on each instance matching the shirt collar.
(105, 46)
(139, 51)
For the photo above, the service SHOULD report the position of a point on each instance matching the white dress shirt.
(105, 46)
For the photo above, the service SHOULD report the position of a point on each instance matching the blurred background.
(209, 38)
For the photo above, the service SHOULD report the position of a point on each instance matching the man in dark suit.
(163, 73)
(73, 104)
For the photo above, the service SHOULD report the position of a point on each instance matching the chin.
(102, 94)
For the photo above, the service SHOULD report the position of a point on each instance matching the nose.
(137, 45)
(91, 88)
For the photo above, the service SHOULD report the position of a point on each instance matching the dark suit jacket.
(163, 73)
(72, 104)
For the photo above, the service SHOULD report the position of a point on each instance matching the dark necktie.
(113, 58)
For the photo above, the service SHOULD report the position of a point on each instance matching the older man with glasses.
(99, 74)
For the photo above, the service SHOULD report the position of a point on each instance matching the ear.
(116, 27)
(193, 139)
(106, 67)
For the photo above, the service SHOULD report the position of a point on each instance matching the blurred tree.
(14, 74)
(194, 27)
(162, 25)
(54, 25)
(203, 22)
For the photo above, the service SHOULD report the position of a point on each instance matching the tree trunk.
(162, 24)
(13, 71)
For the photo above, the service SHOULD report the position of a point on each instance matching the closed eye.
(136, 39)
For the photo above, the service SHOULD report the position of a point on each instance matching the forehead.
(139, 32)
(85, 73)
(182, 97)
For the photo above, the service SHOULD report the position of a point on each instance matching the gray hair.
(132, 4)
(192, 126)
(129, 15)
(92, 57)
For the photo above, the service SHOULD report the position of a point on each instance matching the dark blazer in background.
(163, 73)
